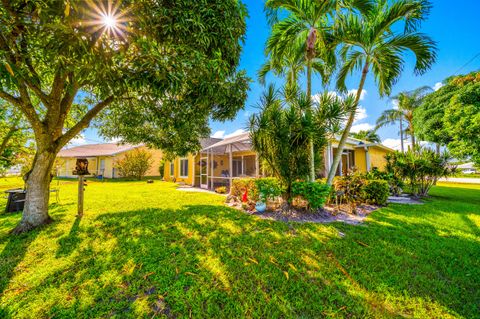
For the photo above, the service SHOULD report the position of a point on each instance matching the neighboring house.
(102, 159)
(219, 161)
(467, 168)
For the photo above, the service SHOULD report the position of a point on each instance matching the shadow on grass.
(212, 261)
(67, 244)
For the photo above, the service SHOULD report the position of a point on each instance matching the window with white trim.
(183, 167)
(172, 168)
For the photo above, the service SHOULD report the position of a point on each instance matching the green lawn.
(148, 250)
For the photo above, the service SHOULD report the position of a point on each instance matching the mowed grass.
(148, 250)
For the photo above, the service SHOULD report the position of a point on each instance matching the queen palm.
(406, 103)
(367, 135)
(371, 41)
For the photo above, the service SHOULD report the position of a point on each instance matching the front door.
(203, 173)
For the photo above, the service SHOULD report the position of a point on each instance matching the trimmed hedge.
(376, 191)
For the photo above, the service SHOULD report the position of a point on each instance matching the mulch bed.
(328, 214)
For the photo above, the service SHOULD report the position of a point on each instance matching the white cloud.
(437, 86)
(361, 127)
(114, 140)
(247, 113)
(218, 134)
(396, 144)
(77, 140)
(354, 91)
(395, 104)
(361, 113)
(237, 132)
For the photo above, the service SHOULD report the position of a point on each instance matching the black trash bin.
(16, 200)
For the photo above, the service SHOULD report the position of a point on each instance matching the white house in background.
(467, 168)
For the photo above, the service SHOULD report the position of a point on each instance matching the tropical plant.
(371, 41)
(281, 131)
(159, 72)
(367, 135)
(300, 41)
(420, 169)
(451, 116)
(406, 103)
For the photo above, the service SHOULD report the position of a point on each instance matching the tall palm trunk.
(346, 131)
(402, 149)
(310, 141)
(412, 136)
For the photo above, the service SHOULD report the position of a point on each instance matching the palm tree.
(367, 135)
(305, 30)
(371, 41)
(406, 103)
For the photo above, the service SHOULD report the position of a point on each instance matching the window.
(183, 167)
(172, 168)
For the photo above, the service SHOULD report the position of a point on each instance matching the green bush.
(419, 169)
(268, 188)
(313, 192)
(375, 191)
(349, 188)
(394, 181)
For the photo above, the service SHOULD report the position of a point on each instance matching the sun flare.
(107, 18)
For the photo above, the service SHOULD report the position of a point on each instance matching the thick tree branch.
(7, 137)
(83, 123)
(10, 98)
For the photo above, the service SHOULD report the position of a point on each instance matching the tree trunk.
(401, 135)
(35, 212)
(412, 135)
(346, 131)
(310, 141)
(437, 148)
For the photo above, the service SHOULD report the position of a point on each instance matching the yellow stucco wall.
(360, 160)
(176, 162)
(377, 157)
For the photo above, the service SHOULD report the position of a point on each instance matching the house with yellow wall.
(102, 159)
(221, 160)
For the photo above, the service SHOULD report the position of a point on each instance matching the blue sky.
(454, 25)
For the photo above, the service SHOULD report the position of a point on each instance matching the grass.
(148, 250)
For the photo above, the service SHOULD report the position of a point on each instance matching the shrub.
(240, 185)
(376, 191)
(135, 163)
(268, 188)
(420, 168)
(161, 169)
(394, 181)
(349, 188)
(313, 192)
(221, 190)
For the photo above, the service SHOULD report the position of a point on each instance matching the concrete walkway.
(464, 180)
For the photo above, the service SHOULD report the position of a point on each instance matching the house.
(221, 160)
(102, 159)
(467, 168)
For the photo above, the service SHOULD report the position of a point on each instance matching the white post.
(230, 164)
(367, 159)
(208, 169)
(193, 170)
(213, 168)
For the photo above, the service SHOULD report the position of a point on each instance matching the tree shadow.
(11, 257)
(68, 243)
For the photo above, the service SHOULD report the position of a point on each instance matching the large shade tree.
(451, 116)
(405, 105)
(379, 40)
(75, 59)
